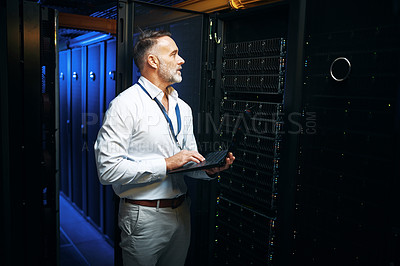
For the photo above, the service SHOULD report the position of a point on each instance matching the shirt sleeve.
(114, 166)
(189, 138)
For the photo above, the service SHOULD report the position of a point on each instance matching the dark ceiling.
(88, 7)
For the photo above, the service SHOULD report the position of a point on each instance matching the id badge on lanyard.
(178, 117)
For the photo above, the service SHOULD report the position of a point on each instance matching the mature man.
(147, 131)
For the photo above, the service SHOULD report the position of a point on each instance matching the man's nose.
(181, 61)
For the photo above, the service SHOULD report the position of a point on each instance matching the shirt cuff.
(159, 167)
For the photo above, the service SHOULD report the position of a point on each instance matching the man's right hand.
(182, 158)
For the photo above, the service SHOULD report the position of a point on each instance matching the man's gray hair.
(146, 40)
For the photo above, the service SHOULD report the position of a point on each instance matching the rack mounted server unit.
(246, 206)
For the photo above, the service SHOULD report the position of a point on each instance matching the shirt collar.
(153, 90)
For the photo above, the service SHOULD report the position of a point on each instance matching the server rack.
(252, 77)
(249, 189)
(29, 206)
(347, 180)
(50, 184)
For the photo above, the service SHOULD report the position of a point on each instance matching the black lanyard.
(177, 111)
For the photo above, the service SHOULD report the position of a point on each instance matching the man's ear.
(152, 60)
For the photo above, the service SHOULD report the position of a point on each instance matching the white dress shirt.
(135, 139)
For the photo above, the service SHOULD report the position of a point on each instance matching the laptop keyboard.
(215, 157)
(212, 159)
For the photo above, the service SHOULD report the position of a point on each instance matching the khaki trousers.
(153, 236)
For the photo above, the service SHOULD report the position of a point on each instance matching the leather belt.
(162, 203)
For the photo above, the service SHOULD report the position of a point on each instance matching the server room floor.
(80, 242)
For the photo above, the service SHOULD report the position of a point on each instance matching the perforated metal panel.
(347, 177)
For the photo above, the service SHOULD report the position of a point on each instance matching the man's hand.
(228, 163)
(182, 158)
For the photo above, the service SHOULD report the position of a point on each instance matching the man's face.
(170, 62)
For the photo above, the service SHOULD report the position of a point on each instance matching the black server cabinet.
(347, 184)
(251, 75)
(28, 179)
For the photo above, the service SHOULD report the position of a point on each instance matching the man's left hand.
(228, 163)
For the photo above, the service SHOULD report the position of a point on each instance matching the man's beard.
(169, 74)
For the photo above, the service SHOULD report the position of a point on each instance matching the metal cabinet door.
(93, 101)
(76, 127)
(65, 140)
